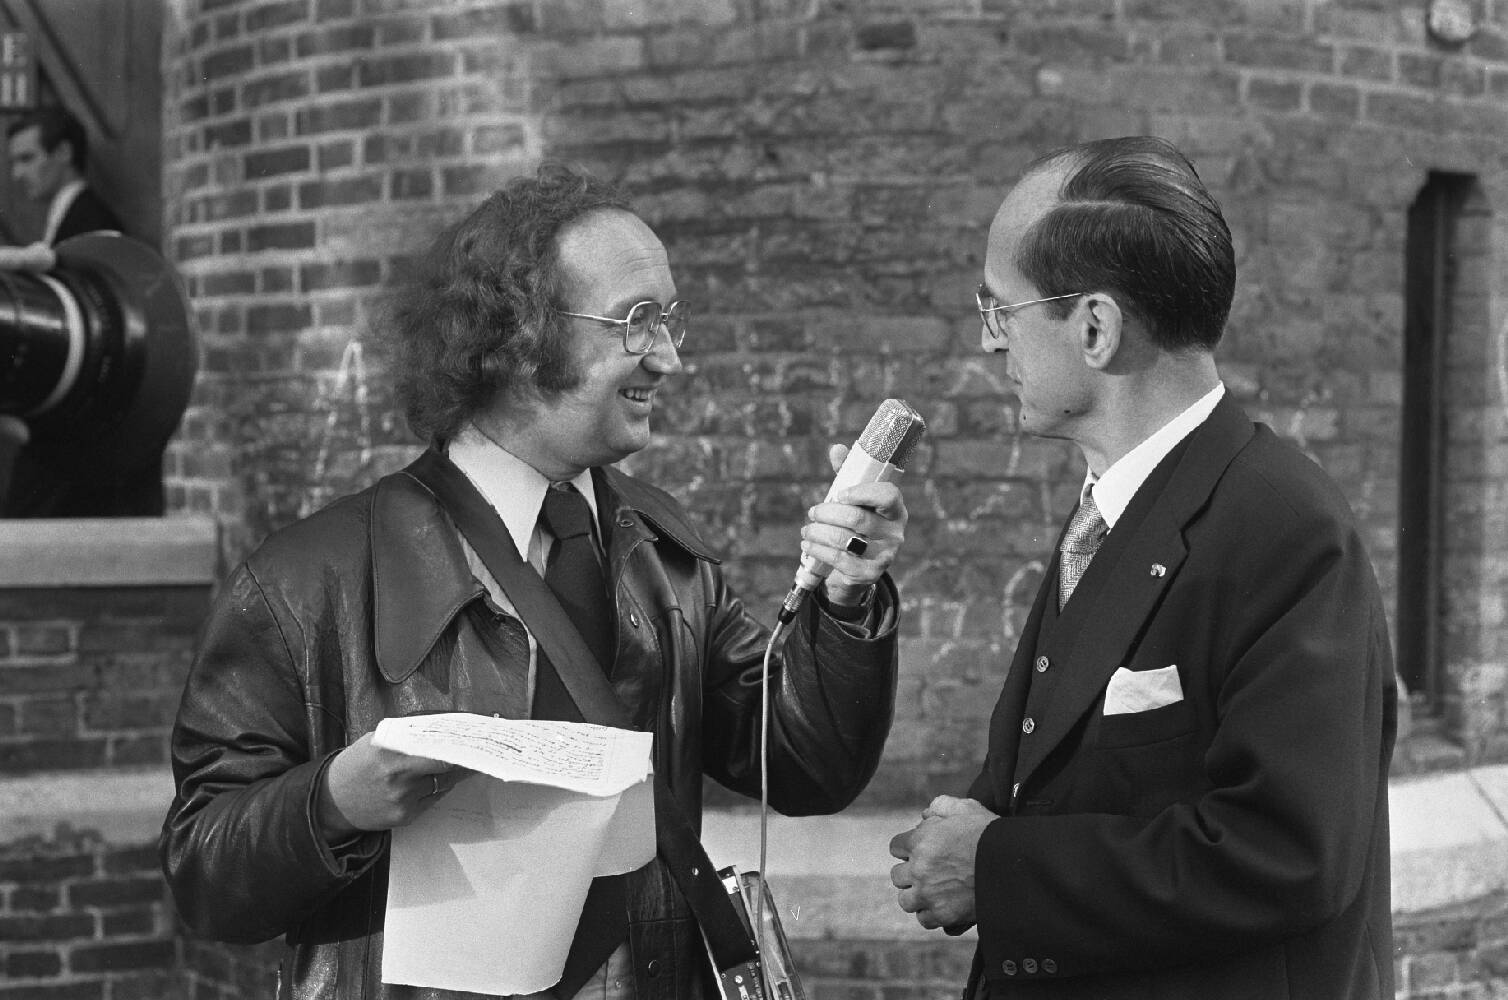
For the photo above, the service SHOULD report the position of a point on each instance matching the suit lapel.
(1124, 585)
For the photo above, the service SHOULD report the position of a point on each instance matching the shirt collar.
(61, 202)
(1113, 491)
(514, 488)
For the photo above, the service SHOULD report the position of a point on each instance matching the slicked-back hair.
(477, 323)
(1134, 220)
(55, 125)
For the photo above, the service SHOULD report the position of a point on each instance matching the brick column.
(309, 147)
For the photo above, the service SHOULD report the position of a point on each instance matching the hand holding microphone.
(852, 536)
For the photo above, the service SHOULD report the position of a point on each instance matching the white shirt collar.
(514, 488)
(61, 202)
(1113, 491)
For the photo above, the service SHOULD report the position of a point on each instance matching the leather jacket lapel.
(420, 579)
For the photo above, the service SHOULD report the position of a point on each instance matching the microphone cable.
(781, 627)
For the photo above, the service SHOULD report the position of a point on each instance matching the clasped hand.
(874, 514)
(936, 873)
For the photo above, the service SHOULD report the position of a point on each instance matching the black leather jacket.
(367, 609)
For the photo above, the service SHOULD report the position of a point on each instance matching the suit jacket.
(87, 214)
(1229, 839)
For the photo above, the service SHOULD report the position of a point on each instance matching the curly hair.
(478, 321)
(1133, 218)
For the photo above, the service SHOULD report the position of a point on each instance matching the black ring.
(857, 545)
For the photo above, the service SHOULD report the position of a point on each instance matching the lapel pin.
(1158, 569)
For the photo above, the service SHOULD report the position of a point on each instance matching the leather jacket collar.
(419, 567)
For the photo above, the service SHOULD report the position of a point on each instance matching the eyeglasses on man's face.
(994, 315)
(643, 322)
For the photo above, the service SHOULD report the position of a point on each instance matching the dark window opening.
(1440, 249)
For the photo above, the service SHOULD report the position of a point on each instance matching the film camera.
(97, 359)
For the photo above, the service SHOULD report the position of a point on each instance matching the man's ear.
(1102, 329)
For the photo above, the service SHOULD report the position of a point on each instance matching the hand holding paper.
(509, 854)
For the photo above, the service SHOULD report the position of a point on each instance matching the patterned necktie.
(1086, 530)
(576, 577)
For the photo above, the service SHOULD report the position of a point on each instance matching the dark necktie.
(1086, 530)
(574, 573)
(576, 577)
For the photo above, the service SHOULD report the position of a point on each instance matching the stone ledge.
(831, 874)
(109, 552)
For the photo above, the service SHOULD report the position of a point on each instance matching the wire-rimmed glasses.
(990, 308)
(643, 322)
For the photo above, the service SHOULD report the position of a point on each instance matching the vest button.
(633, 618)
(1042, 664)
(653, 968)
(1028, 724)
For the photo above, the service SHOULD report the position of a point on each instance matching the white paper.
(598, 760)
(486, 887)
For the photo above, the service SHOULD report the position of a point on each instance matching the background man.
(531, 353)
(49, 153)
(1185, 791)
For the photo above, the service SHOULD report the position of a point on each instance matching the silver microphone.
(879, 456)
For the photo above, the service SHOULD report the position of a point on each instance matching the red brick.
(49, 717)
(334, 193)
(336, 38)
(44, 640)
(73, 990)
(122, 956)
(227, 63)
(30, 964)
(46, 927)
(407, 68)
(287, 236)
(270, 162)
(267, 16)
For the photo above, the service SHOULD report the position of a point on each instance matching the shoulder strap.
(679, 847)
(551, 626)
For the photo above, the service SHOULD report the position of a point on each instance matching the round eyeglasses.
(643, 322)
(993, 314)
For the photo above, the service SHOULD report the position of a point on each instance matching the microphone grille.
(893, 432)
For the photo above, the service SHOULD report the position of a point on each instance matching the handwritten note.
(507, 855)
(597, 760)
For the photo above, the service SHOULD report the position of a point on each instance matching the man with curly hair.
(530, 354)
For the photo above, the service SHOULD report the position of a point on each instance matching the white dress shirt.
(62, 201)
(1113, 491)
(516, 490)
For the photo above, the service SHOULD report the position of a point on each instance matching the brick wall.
(823, 174)
(82, 919)
(1458, 952)
(90, 678)
(89, 682)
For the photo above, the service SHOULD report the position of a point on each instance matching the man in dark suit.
(48, 150)
(1185, 793)
(49, 153)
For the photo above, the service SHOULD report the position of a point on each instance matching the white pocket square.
(1142, 690)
